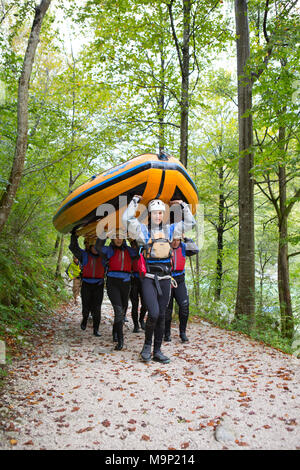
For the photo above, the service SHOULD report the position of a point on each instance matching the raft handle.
(163, 156)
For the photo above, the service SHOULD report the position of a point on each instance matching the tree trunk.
(220, 238)
(183, 54)
(245, 301)
(185, 72)
(56, 245)
(161, 101)
(197, 292)
(195, 278)
(10, 191)
(59, 259)
(286, 313)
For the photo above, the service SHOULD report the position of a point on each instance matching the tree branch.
(294, 254)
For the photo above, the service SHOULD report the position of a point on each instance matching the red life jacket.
(94, 268)
(178, 259)
(120, 261)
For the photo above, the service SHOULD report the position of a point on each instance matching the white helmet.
(156, 205)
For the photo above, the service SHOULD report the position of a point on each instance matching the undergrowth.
(28, 293)
(266, 330)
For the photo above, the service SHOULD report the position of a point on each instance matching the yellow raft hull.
(148, 175)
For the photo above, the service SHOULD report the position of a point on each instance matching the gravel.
(221, 390)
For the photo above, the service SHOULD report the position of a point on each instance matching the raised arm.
(102, 250)
(75, 248)
(135, 229)
(187, 223)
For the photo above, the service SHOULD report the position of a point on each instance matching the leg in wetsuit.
(180, 294)
(135, 295)
(92, 296)
(118, 293)
(156, 305)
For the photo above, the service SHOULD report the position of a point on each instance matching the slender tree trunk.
(185, 72)
(262, 263)
(286, 312)
(161, 100)
(197, 278)
(10, 191)
(183, 54)
(287, 321)
(245, 301)
(59, 259)
(56, 245)
(220, 238)
(261, 290)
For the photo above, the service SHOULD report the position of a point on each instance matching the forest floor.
(221, 390)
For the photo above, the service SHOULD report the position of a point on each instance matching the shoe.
(96, 333)
(184, 338)
(119, 346)
(167, 338)
(136, 328)
(158, 356)
(125, 320)
(142, 323)
(146, 353)
(83, 325)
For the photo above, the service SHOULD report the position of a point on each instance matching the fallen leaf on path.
(76, 408)
(28, 443)
(89, 428)
(106, 423)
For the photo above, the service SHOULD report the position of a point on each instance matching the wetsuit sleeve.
(188, 222)
(99, 245)
(103, 251)
(135, 229)
(75, 248)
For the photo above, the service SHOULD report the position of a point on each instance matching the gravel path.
(220, 391)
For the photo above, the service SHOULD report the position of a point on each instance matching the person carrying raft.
(136, 295)
(181, 249)
(118, 259)
(92, 281)
(156, 239)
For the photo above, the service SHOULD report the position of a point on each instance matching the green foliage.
(267, 329)
(95, 106)
(28, 290)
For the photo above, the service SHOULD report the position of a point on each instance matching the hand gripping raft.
(150, 176)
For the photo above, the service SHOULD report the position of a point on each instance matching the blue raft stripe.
(156, 165)
(105, 182)
(93, 189)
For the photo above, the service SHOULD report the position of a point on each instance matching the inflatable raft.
(151, 176)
